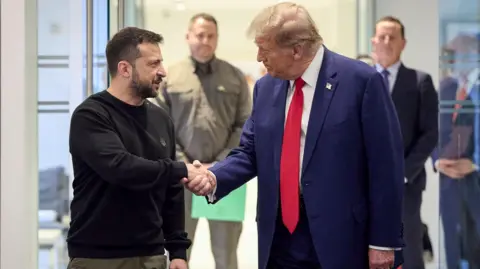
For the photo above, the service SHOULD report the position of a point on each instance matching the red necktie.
(290, 159)
(461, 95)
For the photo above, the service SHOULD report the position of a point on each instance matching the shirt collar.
(206, 67)
(310, 75)
(392, 70)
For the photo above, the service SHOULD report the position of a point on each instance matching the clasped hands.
(455, 169)
(200, 181)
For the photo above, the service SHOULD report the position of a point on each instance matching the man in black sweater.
(128, 203)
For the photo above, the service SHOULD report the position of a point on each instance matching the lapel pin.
(328, 86)
(221, 88)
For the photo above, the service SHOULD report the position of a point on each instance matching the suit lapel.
(399, 83)
(324, 91)
(279, 103)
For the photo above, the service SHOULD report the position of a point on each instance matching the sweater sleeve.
(94, 140)
(176, 239)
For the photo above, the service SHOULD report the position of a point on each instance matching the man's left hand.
(178, 264)
(381, 259)
(464, 166)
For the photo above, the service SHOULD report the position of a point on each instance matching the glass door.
(459, 126)
(72, 36)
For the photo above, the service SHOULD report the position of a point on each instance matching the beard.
(145, 89)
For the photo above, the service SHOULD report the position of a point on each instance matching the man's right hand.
(200, 181)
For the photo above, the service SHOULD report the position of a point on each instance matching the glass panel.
(101, 36)
(53, 89)
(53, 119)
(365, 26)
(459, 146)
(61, 87)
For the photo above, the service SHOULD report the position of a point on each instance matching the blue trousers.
(460, 213)
(293, 251)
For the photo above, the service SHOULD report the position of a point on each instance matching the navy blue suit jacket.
(353, 169)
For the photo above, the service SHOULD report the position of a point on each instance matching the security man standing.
(209, 101)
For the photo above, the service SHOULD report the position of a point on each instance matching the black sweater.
(128, 200)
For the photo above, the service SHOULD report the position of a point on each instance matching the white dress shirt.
(310, 76)
(392, 73)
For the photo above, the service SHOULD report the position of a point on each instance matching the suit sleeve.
(241, 164)
(94, 140)
(427, 130)
(384, 156)
(244, 107)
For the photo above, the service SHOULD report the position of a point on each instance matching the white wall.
(19, 177)
(336, 19)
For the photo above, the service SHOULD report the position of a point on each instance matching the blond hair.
(288, 23)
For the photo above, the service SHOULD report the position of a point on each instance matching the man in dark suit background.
(416, 102)
(427, 243)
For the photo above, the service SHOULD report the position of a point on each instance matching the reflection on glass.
(458, 153)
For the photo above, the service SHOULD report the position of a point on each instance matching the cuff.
(211, 197)
(383, 248)
(179, 170)
(178, 254)
(406, 180)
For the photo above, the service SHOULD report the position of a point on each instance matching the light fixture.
(180, 5)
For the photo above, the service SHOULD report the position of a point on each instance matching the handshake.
(200, 181)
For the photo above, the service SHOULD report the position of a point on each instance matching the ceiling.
(230, 4)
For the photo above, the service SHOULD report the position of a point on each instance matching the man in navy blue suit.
(459, 174)
(325, 143)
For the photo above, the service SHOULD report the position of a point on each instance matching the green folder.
(230, 208)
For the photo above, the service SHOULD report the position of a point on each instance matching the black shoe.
(427, 246)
